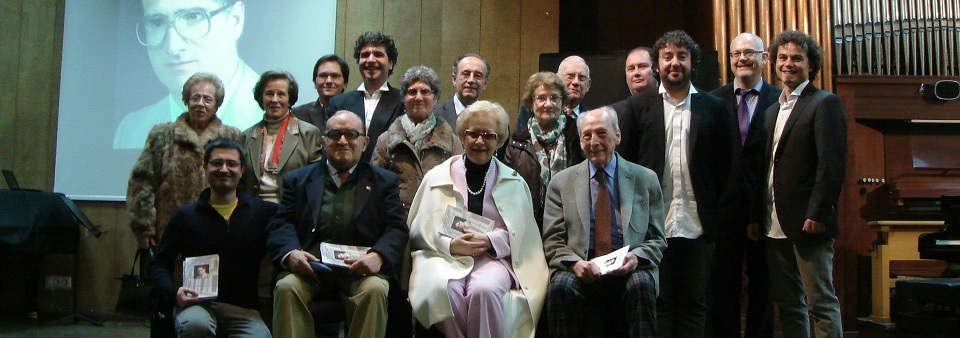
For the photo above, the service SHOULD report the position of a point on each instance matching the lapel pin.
(368, 188)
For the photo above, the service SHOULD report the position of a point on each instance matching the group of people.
(695, 184)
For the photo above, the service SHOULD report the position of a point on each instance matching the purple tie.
(743, 113)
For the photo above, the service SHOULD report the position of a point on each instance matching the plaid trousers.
(603, 308)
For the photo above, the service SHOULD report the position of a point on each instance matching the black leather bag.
(136, 296)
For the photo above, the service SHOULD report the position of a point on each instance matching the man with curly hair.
(374, 101)
(680, 133)
(805, 154)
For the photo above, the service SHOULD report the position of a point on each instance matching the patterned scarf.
(417, 133)
(551, 162)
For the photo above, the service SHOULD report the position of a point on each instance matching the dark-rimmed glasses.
(219, 163)
(475, 134)
(336, 134)
(191, 24)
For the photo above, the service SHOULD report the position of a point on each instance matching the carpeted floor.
(57, 326)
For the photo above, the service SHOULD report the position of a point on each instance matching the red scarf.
(274, 162)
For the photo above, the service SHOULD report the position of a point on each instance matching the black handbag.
(136, 296)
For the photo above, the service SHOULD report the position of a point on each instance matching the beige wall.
(509, 33)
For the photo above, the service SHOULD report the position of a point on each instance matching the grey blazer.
(448, 111)
(566, 217)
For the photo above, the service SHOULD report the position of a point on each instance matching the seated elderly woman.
(280, 142)
(549, 144)
(418, 140)
(477, 284)
(169, 173)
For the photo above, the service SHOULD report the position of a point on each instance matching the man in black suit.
(575, 74)
(746, 98)
(806, 158)
(312, 208)
(331, 74)
(470, 76)
(680, 133)
(375, 101)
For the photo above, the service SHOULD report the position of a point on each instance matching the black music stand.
(37, 223)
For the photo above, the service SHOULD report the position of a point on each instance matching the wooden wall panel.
(431, 44)
(539, 28)
(500, 19)
(10, 63)
(400, 21)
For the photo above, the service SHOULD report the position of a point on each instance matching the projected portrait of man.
(183, 37)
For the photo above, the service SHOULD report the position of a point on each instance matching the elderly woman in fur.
(169, 172)
(418, 140)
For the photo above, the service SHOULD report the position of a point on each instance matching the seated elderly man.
(591, 209)
(338, 200)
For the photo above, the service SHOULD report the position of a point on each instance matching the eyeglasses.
(749, 53)
(545, 98)
(190, 24)
(423, 92)
(201, 99)
(219, 163)
(476, 134)
(349, 134)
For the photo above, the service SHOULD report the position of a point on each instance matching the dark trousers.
(614, 306)
(734, 251)
(684, 273)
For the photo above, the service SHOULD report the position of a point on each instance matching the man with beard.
(575, 74)
(225, 222)
(746, 97)
(375, 100)
(330, 77)
(681, 134)
(470, 75)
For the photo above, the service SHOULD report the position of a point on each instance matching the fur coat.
(395, 153)
(169, 173)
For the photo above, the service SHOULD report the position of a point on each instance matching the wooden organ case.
(904, 153)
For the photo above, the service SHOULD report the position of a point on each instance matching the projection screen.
(125, 61)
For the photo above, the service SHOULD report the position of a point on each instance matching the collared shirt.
(370, 101)
(682, 218)
(752, 98)
(787, 102)
(457, 105)
(335, 174)
(616, 232)
(576, 111)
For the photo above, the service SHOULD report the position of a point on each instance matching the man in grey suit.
(738, 244)
(470, 75)
(375, 101)
(805, 155)
(583, 219)
(331, 74)
(681, 134)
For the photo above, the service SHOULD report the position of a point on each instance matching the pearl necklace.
(489, 164)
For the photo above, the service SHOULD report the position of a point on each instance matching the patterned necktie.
(601, 213)
(743, 114)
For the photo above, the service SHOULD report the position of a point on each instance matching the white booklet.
(202, 274)
(611, 261)
(335, 254)
(456, 221)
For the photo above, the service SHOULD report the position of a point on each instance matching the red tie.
(344, 175)
(601, 213)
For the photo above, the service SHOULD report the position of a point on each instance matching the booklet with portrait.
(202, 274)
(335, 254)
(456, 221)
(611, 261)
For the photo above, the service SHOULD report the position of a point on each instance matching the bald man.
(575, 74)
(745, 98)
